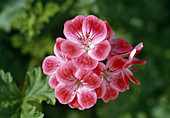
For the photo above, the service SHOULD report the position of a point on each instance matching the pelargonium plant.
(78, 74)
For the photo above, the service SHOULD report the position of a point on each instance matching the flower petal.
(130, 76)
(65, 93)
(66, 72)
(110, 94)
(99, 69)
(132, 55)
(119, 46)
(50, 65)
(125, 79)
(115, 64)
(88, 78)
(110, 33)
(118, 83)
(73, 29)
(91, 81)
(138, 48)
(136, 61)
(85, 62)
(75, 104)
(71, 49)
(101, 90)
(94, 29)
(100, 50)
(57, 47)
(53, 82)
(86, 98)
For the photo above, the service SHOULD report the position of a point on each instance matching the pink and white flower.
(76, 87)
(86, 41)
(76, 73)
(51, 63)
(112, 82)
(126, 73)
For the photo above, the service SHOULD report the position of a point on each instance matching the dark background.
(28, 29)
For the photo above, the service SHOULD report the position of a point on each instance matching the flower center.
(79, 83)
(106, 78)
(87, 46)
(105, 75)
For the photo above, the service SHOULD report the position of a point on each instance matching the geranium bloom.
(86, 41)
(51, 63)
(76, 73)
(119, 46)
(112, 80)
(76, 87)
(126, 73)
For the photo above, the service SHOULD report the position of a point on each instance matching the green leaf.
(14, 104)
(10, 96)
(37, 89)
(29, 111)
(49, 11)
(10, 12)
(30, 26)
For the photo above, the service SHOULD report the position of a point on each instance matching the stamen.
(111, 69)
(135, 69)
(87, 46)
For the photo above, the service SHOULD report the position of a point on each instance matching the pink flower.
(126, 73)
(86, 41)
(76, 87)
(51, 63)
(119, 46)
(110, 33)
(76, 73)
(112, 80)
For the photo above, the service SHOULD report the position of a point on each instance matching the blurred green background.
(28, 29)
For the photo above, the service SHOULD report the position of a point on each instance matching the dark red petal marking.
(85, 62)
(110, 33)
(130, 76)
(125, 78)
(101, 90)
(99, 69)
(66, 73)
(117, 83)
(110, 94)
(100, 50)
(115, 64)
(119, 46)
(86, 98)
(75, 104)
(94, 29)
(71, 49)
(136, 61)
(50, 65)
(65, 94)
(53, 82)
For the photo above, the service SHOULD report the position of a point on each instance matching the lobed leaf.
(29, 111)
(37, 89)
(14, 104)
(10, 96)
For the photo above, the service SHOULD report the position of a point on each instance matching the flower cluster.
(78, 74)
